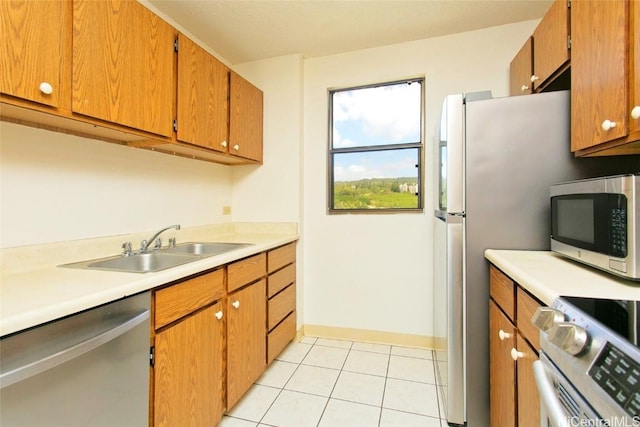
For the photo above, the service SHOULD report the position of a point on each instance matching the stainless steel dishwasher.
(89, 369)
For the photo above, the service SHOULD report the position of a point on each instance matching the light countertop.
(32, 296)
(548, 275)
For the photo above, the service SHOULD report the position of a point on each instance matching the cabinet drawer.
(526, 306)
(281, 305)
(281, 279)
(502, 291)
(176, 301)
(281, 256)
(278, 339)
(246, 271)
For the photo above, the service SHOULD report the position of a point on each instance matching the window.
(375, 147)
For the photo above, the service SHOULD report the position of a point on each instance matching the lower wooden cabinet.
(513, 394)
(189, 371)
(528, 400)
(188, 374)
(209, 344)
(502, 371)
(246, 339)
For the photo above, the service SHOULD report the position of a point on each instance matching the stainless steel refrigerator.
(497, 158)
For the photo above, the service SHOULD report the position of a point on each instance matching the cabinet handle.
(236, 304)
(236, 147)
(635, 113)
(524, 87)
(607, 125)
(46, 88)
(515, 354)
(534, 78)
(503, 335)
(224, 144)
(219, 315)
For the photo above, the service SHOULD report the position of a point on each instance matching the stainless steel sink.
(161, 259)
(137, 263)
(204, 248)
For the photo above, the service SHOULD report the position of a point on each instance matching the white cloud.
(386, 111)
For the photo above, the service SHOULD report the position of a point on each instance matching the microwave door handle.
(548, 396)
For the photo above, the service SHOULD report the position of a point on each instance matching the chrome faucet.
(144, 245)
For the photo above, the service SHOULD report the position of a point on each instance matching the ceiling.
(249, 30)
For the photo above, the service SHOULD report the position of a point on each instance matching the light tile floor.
(320, 382)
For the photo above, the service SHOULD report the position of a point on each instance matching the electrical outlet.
(226, 210)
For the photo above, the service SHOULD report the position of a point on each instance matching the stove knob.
(545, 317)
(569, 337)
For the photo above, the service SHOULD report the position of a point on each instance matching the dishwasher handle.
(49, 361)
(548, 397)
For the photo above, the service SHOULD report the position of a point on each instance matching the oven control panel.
(619, 376)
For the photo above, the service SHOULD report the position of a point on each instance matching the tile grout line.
(285, 384)
(334, 385)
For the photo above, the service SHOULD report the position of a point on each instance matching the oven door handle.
(548, 397)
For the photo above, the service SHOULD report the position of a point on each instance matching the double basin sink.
(159, 259)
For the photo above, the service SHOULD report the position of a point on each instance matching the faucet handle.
(143, 245)
(172, 242)
(158, 243)
(126, 248)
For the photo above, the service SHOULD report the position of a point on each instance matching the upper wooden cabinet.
(203, 97)
(551, 45)
(32, 53)
(109, 70)
(123, 59)
(604, 87)
(634, 72)
(544, 56)
(245, 119)
(521, 70)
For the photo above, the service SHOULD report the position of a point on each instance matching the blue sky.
(376, 116)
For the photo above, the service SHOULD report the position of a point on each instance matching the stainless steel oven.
(587, 374)
(89, 369)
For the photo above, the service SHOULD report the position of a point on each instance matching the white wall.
(56, 187)
(272, 192)
(375, 271)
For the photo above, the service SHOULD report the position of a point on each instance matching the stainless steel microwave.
(597, 222)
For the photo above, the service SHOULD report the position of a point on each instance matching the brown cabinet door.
(245, 119)
(246, 339)
(502, 369)
(123, 65)
(203, 91)
(33, 48)
(634, 124)
(528, 399)
(599, 71)
(550, 42)
(520, 70)
(189, 371)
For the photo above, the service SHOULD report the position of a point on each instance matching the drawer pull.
(515, 354)
(236, 304)
(46, 88)
(635, 112)
(503, 335)
(219, 315)
(608, 125)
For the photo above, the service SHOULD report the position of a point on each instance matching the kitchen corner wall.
(58, 187)
(375, 272)
(360, 272)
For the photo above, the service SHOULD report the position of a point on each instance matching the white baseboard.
(376, 337)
